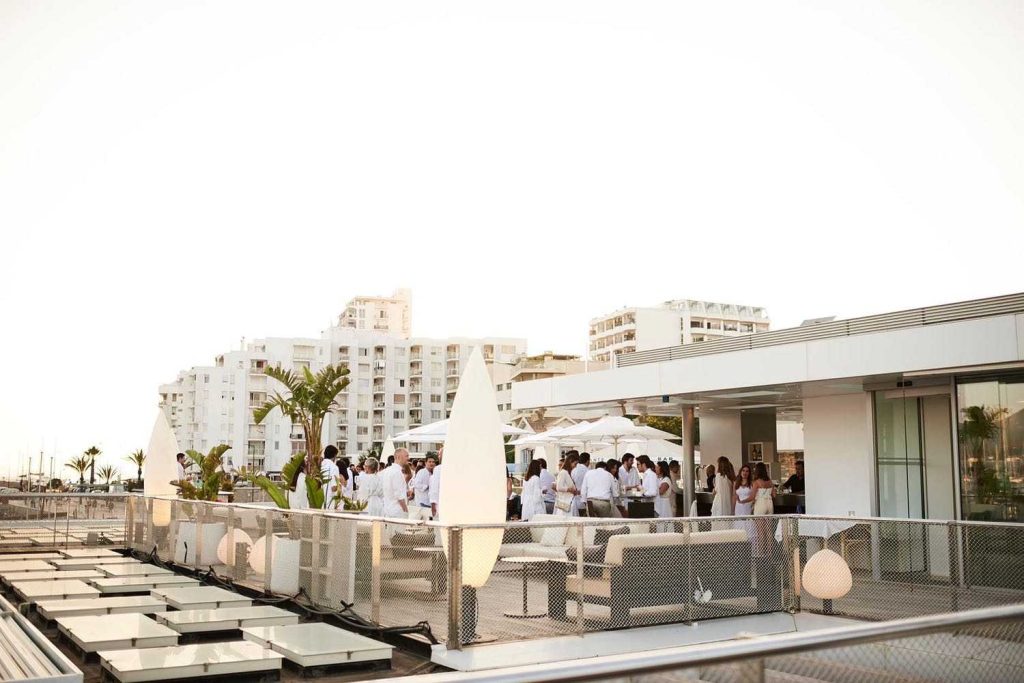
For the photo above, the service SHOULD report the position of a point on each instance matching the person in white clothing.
(421, 491)
(648, 478)
(629, 477)
(578, 473)
(396, 490)
(598, 490)
(181, 466)
(329, 472)
(532, 499)
(345, 467)
(547, 486)
(298, 494)
(435, 487)
(370, 488)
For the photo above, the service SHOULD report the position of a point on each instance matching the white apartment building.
(540, 366)
(395, 384)
(680, 321)
(383, 314)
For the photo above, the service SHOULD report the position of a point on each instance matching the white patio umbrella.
(616, 429)
(438, 431)
(552, 435)
(656, 449)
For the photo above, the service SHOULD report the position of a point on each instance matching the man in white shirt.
(648, 478)
(396, 491)
(329, 471)
(421, 491)
(629, 478)
(434, 494)
(181, 466)
(547, 486)
(598, 491)
(578, 473)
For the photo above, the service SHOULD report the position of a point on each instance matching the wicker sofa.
(649, 570)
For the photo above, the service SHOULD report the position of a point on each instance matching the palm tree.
(137, 458)
(92, 452)
(310, 398)
(211, 475)
(79, 463)
(107, 473)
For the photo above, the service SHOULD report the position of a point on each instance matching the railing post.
(454, 641)
(791, 557)
(129, 519)
(150, 536)
(230, 542)
(376, 536)
(953, 549)
(268, 555)
(580, 546)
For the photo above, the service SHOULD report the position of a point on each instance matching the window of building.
(401, 382)
(399, 414)
(435, 368)
(399, 398)
(435, 398)
(364, 352)
(435, 382)
(362, 430)
(362, 414)
(364, 383)
(435, 415)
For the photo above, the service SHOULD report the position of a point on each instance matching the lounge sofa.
(558, 542)
(648, 570)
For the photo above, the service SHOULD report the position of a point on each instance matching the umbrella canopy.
(552, 435)
(616, 429)
(656, 449)
(438, 431)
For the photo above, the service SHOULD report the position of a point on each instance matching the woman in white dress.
(722, 505)
(674, 477)
(662, 504)
(763, 505)
(370, 488)
(745, 500)
(298, 494)
(532, 497)
(565, 487)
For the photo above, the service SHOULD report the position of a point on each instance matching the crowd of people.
(396, 488)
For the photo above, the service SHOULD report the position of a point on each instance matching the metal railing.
(932, 648)
(39, 521)
(571, 576)
(917, 317)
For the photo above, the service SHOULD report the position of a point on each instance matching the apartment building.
(394, 384)
(539, 366)
(384, 314)
(679, 321)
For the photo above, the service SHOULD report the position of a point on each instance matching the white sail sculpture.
(473, 485)
(160, 469)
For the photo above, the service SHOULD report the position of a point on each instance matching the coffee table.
(526, 561)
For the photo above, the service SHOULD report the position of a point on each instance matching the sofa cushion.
(539, 532)
(721, 536)
(598, 587)
(601, 536)
(616, 544)
(532, 550)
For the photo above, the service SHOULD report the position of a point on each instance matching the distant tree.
(137, 458)
(92, 453)
(109, 473)
(79, 463)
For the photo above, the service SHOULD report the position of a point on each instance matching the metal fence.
(562, 576)
(51, 520)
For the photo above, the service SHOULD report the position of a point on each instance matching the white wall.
(656, 328)
(721, 434)
(839, 455)
(790, 436)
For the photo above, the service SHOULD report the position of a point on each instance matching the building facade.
(680, 321)
(383, 314)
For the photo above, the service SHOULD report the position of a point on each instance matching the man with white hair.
(396, 490)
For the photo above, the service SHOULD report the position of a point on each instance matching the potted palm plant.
(211, 479)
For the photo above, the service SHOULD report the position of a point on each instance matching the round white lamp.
(258, 554)
(827, 577)
(231, 540)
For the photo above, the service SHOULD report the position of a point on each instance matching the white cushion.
(591, 586)
(721, 536)
(538, 532)
(616, 544)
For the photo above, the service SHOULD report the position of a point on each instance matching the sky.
(177, 176)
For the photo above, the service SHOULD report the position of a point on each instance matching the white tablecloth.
(817, 528)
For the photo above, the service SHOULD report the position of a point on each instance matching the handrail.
(730, 652)
(915, 317)
(56, 494)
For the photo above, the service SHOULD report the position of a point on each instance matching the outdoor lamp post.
(827, 577)
(473, 485)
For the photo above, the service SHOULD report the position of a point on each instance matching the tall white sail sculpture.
(161, 468)
(473, 482)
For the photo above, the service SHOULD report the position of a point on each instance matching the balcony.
(297, 437)
(453, 369)
(379, 404)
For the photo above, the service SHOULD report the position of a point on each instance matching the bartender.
(796, 482)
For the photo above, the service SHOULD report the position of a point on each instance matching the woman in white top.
(763, 505)
(565, 487)
(662, 504)
(745, 500)
(532, 497)
(298, 494)
(722, 505)
(370, 488)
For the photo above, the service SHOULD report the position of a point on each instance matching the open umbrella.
(616, 429)
(438, 431)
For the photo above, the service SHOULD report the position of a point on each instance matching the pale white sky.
(174, 176)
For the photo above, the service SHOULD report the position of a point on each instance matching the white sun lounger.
(52, 575)
(189, 661)
(132, 570)
(86, 607)
(202, 597)
(116, 632)
(89, 552)
(34, 591)
(226, 618)
(140, 584)
(318, 644)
